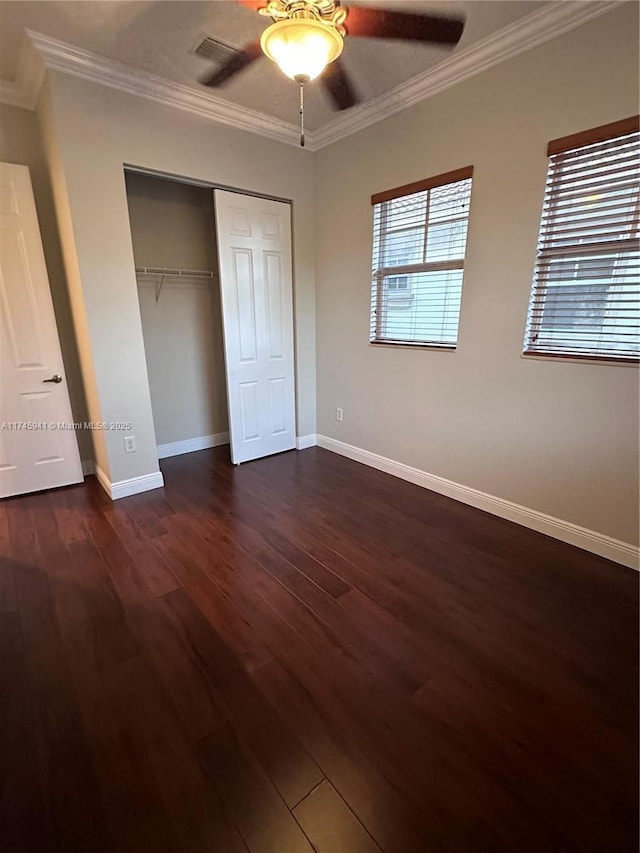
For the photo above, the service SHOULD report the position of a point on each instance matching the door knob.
(56, 378)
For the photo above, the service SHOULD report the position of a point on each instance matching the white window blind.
(585, 298)
(419, 241)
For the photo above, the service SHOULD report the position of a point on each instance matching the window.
(419, 239)
(585, 299)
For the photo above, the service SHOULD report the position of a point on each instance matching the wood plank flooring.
(305, 654)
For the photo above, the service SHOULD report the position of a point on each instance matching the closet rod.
(165, 272)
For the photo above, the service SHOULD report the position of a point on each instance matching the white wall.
(21, 142)
(97, 131)
(558, 437)
(172, 225)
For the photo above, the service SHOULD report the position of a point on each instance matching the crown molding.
(523, 35)
(43, 52)
(59, 56)
(23, 91)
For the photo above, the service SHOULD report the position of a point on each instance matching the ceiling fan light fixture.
(302, 47)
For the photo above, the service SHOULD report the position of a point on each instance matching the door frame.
(197, 182)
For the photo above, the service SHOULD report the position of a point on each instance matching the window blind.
(585, 298)
(419, 241)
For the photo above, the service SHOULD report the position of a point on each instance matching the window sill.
(400, 300)
(409, 345)
(581, 359)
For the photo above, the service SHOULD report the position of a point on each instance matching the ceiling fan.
(307, 36)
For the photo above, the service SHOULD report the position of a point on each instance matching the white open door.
(35, 453)
(254, 251)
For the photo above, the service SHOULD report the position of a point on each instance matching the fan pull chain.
(302, 82)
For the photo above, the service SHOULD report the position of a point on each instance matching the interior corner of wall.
(50, 138)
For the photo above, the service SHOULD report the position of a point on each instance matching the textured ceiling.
(159, 37)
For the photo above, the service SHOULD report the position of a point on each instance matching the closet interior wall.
(172, 227)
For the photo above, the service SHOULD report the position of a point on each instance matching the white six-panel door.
(254, 251)
(35, 453)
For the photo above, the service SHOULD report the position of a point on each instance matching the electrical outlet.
(338, 414)
(129, 444)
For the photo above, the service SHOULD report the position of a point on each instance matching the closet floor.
(303, 653)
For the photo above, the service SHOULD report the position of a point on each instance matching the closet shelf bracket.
(159, 288)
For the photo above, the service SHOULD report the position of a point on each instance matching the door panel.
(249, 411)
(277, 407)
(19, 303)
(39, 407)
(254, 248)
(270, 226)
(35, 453)
(244, 291)
(275, 304)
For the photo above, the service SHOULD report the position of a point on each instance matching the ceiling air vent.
(216, 50)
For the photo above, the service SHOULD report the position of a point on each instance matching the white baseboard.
(581, 537)
(88, 467)
(125, 488)
(304, 441)
(102, 478)
(177, 448)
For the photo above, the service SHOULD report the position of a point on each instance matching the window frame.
(545, 255)
(383, 273)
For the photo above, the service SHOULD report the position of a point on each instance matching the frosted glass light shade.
(301, 47)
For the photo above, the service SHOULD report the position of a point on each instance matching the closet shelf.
(163, 273)
(175, 272)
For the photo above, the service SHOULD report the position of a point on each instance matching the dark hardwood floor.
(303, 653)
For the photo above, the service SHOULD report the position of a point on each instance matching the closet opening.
(174, 247)
(214, 278)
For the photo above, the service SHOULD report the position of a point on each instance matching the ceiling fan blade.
(253, 4)
(339, 86)
(383, 23)
(238, 62)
